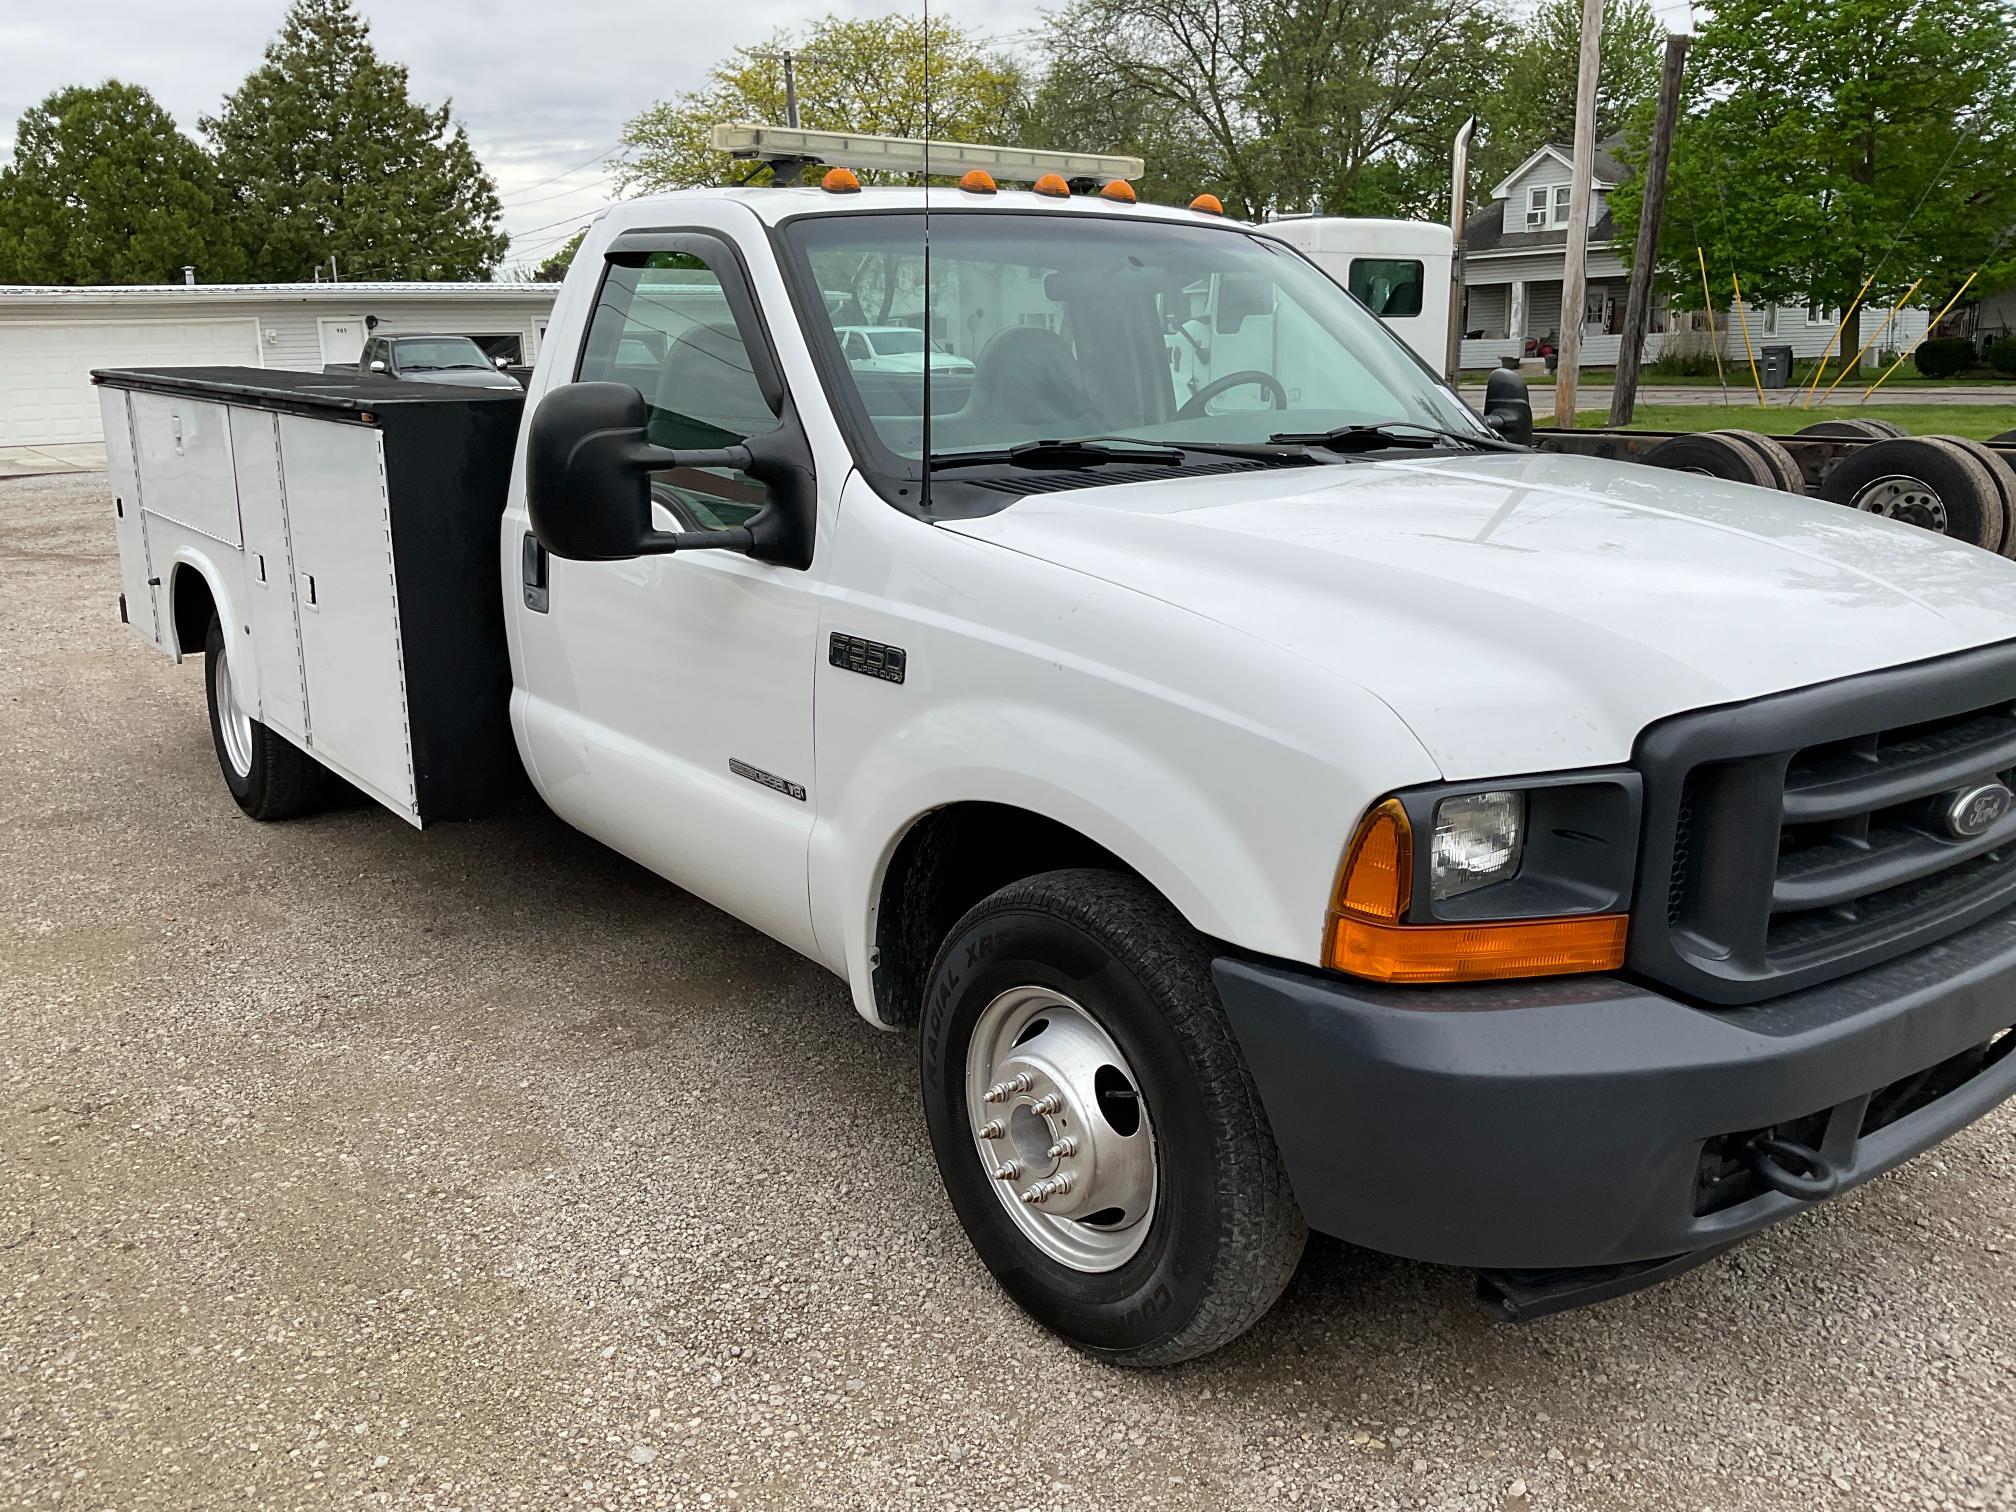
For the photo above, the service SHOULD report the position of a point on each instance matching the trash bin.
(1776, 368)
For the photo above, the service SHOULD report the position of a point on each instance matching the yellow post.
(1943, 309)
(1714, 340)
(1747, 351)
(1820, 370)
(1856, 361)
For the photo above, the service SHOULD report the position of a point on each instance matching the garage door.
(45, 367)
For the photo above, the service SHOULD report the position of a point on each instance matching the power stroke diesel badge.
(1975, 810)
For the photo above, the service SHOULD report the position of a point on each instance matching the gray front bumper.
(1561, 1123)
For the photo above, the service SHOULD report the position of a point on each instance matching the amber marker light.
(977, 181)
(1053, 185)
(1207, 204)
(1118, 189)
(1368, 936)
(841, 181)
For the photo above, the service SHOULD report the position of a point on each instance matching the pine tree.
(326, 155)
(104, 189)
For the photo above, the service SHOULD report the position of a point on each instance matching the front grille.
(1806, 835)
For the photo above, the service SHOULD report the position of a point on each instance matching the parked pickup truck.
(1275, 800)
(454, 360)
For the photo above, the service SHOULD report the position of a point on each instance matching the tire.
(1073, 970)
(269, 776)
(1784, 466)
(1925, 482)
(1889, 430)
(2004, 475)
(2007, 438)
(1716, 454)
(1848, 430)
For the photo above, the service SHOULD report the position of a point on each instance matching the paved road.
(1588, 398)
(349, 1166)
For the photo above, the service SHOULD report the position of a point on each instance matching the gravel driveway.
(342, 1165)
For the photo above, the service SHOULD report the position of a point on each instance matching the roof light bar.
(884, 154)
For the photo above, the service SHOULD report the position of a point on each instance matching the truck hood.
(1527, 613)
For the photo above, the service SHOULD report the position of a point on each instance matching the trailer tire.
(1101, 962)
(2007, 438)
(1784, 466)
(1925, 482)
(2004, 475)
(1717, 454)
(268, 775)
(1848, 430)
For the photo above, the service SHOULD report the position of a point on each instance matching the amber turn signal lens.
(1118, 189)
(1207, 204)
(1476, 952)
(977, 181)
(1053, 185)
(840, 181)
(1367, 937)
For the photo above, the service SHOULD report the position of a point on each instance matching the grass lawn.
(1979, 421)
(1739, 378)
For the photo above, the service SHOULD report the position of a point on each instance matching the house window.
(1562, 200)
(1821, 315)
(1536, 209)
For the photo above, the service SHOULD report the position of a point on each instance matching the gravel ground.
(345, 1165)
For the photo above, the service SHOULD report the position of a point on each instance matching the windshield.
(441, 352)
(1073, 326)
(895, 343)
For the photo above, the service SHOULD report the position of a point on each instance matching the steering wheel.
(1194, 405)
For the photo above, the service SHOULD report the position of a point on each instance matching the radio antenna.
(924, 486)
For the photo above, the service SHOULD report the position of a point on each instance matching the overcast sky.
(544, 86)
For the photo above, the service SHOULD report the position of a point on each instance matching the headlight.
(1531, 878)
(1479, 838)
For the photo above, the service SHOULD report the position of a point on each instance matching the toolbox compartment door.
(129, 524)
(269, 572)
(339, 528)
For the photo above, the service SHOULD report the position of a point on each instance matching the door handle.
(533, 566)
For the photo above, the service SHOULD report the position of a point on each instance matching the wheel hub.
(1909, 499)
(234, 724)
(1059, 1124)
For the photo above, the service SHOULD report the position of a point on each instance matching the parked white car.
(1275, 799)
(896, 349)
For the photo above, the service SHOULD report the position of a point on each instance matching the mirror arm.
(781, 531)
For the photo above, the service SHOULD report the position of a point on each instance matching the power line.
(547, 199)
(599, 157)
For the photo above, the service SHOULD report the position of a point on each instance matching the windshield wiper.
(1348, 438)
(1062, 454)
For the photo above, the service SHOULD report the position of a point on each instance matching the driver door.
(666, 705)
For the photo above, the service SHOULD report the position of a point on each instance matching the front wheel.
(270, 777)
(1096, 1126)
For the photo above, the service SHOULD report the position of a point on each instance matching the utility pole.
(1638, 307)
(1575, 274)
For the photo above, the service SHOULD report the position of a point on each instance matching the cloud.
(544, 88)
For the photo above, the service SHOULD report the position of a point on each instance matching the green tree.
(867, 75)
(325, 154)
(554, 269)
(1532, 101)
(1340, 106)
(1826, 144)
(104, 189)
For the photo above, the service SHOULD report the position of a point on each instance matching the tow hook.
(1795, 1169)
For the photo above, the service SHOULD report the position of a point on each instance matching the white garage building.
(51, 337)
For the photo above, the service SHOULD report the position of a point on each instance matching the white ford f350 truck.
(1275, 799)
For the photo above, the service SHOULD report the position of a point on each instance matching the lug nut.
(1032, 1196)
(1008, 1170)
(1048, 1103)
(1065, 1148)
(1062, 1183)
(1021, 1081)
(992, 1129)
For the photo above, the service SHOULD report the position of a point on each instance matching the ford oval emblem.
(1975, 810)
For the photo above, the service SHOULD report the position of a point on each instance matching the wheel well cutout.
(951, 859)
(193, 607)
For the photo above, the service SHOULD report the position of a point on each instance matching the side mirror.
(1241, 295)
(377, 367)
(589, 462)
(1507, 408)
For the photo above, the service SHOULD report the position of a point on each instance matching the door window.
(663, 325)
